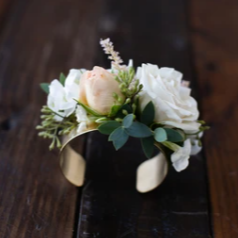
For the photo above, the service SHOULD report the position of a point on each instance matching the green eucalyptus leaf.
(62, 78)
(138, 130)
(118, 137)
(108, 127)
(173, 135)
(160, 134)
(148, 114)
(127, 120)
(148, 146)
(172, 146)
(45, 87)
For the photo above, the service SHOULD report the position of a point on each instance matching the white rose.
(61, 98)
(97, 88)
(173, 104)
(180, 157)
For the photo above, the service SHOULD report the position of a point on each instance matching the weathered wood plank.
(39, 40)
(214, 34)
(156, 32)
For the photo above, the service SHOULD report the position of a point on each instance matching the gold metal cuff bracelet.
(150, 174)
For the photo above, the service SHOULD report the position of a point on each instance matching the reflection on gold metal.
(150, 174)
(72, 164)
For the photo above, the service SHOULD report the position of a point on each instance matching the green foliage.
(119, 133)
(167, 137)
(129, 87)
(118, 137)
(114, 110)
(172, 146)
(139, 130)
(173, 135)
(160, 134)
(128, 84)
(127, 120)
(89, 110)
(62, 78)
(204, 128)
(201, 122)
(148, 146)
(100, 120)
(125, 107)
(45, 87)
(108, 127)
(52, 129)
(148, 114)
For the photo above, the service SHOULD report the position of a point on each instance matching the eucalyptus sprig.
(120, 131)
(129, 124)
(52, 129)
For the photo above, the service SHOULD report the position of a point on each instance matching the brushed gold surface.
(72, 164)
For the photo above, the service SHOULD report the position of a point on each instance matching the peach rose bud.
(96, 89)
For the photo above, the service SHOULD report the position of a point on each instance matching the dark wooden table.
(38, 40)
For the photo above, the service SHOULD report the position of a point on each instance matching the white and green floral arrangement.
(150, 103)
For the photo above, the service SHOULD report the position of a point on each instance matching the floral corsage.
(149, 103)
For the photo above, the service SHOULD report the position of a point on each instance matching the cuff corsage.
(149, 103)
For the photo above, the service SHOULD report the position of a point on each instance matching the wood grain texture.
(213, 27)
(156, 32)
(38, 41)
